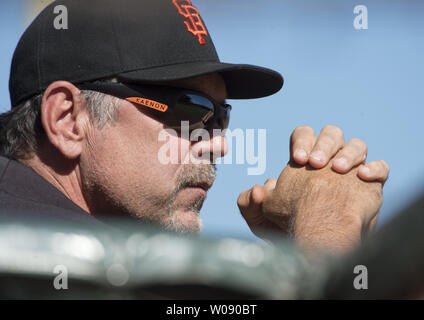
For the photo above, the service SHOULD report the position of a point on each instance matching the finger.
(250, 199)
(302, 141)
(244, 199)
(257, 196)
(250, 205)
(269, 186)
(352, 154)
(329, 142)
(374, 171)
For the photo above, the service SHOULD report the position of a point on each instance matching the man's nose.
(213, 148)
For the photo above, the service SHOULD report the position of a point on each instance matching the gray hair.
(21, 130)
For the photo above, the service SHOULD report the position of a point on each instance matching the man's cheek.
(171, 149)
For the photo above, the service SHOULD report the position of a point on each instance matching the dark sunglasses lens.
(226, 118)
(221, 119)
(195, 109)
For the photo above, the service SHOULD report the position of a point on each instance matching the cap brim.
(243, 81)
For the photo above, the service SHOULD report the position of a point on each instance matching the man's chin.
(185, 222)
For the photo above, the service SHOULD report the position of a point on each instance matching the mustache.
(202, 175)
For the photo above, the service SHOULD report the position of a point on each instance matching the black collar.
(23, 183)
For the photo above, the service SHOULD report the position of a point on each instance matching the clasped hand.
(327, 197)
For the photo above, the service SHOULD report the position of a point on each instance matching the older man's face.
(121, 173)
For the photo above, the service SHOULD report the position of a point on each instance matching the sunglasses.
(170, 105)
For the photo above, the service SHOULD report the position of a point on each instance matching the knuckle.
(359, 143)
(328, 127)
(381, 167)
(303, 128)
(334, 131)
(386, 167)
(303, 131)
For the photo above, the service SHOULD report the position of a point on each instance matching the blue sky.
(368, 82)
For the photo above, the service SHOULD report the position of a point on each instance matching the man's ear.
(64, 118)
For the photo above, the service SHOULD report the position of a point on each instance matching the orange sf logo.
(195, 24)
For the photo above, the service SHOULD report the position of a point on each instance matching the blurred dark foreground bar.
(121, 260)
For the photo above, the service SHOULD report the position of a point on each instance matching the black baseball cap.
(140, 41)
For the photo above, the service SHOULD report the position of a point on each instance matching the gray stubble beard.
(190, 175)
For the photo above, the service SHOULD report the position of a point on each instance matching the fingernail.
(318, 156)
(341, 163)
(365, 170)
(300, 154)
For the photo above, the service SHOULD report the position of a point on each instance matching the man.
(88, 106)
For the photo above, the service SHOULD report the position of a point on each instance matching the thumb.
(257, 195)
(252, 198)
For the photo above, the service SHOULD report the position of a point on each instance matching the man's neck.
(65, 178)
